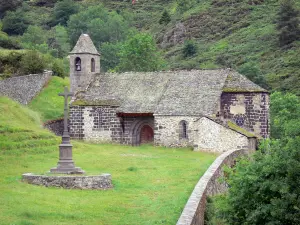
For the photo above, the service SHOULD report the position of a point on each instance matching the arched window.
(78, 64)
(183, 130)
(92, 65)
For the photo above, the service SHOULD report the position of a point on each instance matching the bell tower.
(84, 63)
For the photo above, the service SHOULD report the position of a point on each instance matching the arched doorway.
(146, 135)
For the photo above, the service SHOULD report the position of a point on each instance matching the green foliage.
(264, 190)
(139, 53)
(59, 41)
(165, 18)
(109, 55)
(34, 38)
(15, 23)
(63, 10)
(33, 62)
(284, 112)
(58, 68)
(103, 26)
(288, 23)
(184, 5)
(253, 73)
(10, 5)
(7, 42)
(189, 49)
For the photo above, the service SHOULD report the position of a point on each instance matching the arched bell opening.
(77, 64)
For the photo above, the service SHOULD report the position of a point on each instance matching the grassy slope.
(152, 184)
(236, 33)
(48, 103)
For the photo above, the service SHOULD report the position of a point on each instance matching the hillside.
(48, 104)
(240, 34)
(145, 178)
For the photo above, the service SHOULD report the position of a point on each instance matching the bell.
(78, 67)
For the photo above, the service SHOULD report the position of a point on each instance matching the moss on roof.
(239, 129)
(108, 102)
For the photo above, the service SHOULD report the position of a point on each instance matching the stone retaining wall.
(102, 181)
(209, 184)
(56, 126)
(24, 88)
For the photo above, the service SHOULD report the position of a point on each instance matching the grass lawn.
(48, 103)
(151, 184)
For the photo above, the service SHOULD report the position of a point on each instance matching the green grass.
(48, 103)
(151, 184)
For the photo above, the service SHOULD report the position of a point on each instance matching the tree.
(189, 48)
(109, 55)
(139, 53)
(103, 26)
(165, 18)
(288, 23)
(60, 41)
(63, 10)
(10, 5)
(15, 23)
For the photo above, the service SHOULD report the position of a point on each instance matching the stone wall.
(248, 110)
(101, 182)
(56, 126)
(24, 88)
(209, 184)
(213, 137)
(101, 124)
(167, 130)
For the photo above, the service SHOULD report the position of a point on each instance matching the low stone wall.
(24, 88)
(102, 181)
(56, 126)
(209, 184)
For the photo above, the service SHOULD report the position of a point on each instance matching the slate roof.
(194, 92)
(84, 45)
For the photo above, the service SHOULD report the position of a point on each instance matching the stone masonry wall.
(213, 137)
(56, 126)
(209, 184)
(101, 124)
(167, 130)
(248, 110)
(24, 88)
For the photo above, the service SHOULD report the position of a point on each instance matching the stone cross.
(65, 163)
(66, 136)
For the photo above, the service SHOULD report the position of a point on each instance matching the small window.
(78, 64)
(98, 118)
(92, 65)
(183, 130)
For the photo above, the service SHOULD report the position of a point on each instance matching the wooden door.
(147, 134)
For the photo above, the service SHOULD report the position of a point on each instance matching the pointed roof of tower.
(85, 45)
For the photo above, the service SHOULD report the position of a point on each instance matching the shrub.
(189, 49)
(58, 68)
(33, 62)
(165, 18)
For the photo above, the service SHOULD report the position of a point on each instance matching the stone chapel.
(211, 110)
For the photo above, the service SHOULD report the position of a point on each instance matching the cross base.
(65, 163)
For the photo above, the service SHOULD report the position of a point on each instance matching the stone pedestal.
(65, 163)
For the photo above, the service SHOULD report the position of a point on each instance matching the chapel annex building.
(211, 110)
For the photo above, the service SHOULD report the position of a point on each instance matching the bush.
(189, 48)
(33, 62)
(15, 23)
(58, 68)
(165, 18)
